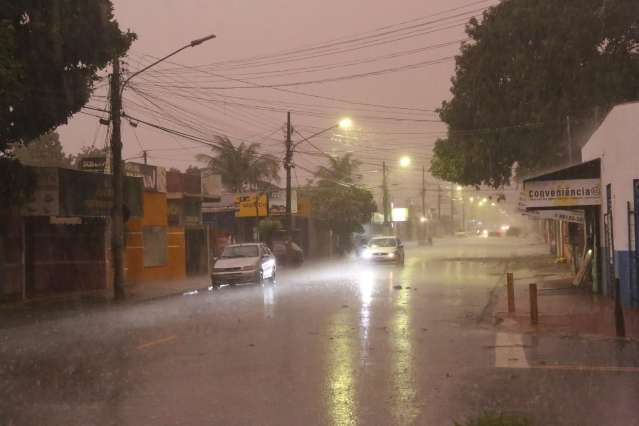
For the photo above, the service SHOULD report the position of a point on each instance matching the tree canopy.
(45, 151)
(531, 69)
(50, 53)
(339, 204)
(242, 167)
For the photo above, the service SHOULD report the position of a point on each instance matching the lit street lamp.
(117, 222)
(344, 124)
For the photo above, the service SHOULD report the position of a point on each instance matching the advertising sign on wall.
(245, 205)
(277, 203)
(574, 216)
(562, 193)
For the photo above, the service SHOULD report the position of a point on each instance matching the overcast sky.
(198, 101)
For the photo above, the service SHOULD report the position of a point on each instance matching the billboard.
(562, 193)
(93, 163)
(246, 205)
(211, 186)
(154, 177)
(399, 214)
(277, 203)
(91, 194)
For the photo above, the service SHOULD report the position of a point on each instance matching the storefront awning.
(571, 187)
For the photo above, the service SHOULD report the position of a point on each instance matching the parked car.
(384, 249)
(244, 263)
(292, 255)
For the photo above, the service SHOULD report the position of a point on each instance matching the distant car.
(384, 249)
(461, 234)
(293, 255)
(494, 234)
(244, 263)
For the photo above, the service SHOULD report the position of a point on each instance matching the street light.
(117, 222)
(344, 124)
(405, 161)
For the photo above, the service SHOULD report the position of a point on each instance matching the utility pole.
(423, 191)
(385, 193)
(117, 222)
(439, 203)
(452, 208)
(569, 136)
(144, 155)
(288, 164)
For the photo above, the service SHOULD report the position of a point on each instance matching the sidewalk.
(49, 306)
(563, 308)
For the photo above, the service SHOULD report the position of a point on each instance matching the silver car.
(244, 263)
(384, 249)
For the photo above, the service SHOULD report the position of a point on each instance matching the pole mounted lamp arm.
(193, 43)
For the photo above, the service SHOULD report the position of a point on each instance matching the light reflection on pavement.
(332, 343)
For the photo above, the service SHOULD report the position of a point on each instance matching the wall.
(616, 142)
(155, 214)
(10, 255)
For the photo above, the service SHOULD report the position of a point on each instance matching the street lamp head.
(472, 199)
(459, 188)
(199, 41)
(345, 123)
(423, 219)
(404, 161)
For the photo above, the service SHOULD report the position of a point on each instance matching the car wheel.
(273, 279)
(259, 279)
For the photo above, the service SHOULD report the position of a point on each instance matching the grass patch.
(493, 420)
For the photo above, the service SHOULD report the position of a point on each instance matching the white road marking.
(509, 351)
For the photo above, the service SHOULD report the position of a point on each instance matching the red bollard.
(534, 312)
(510, 287)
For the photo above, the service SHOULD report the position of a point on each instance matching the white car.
(384, 249)
(244, 263)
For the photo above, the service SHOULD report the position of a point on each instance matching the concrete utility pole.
(423, 191)
(145, 156)
(288, 164)
(117, 222)
(439, 203)
(569, 137)
(385, 193)
(452, 208)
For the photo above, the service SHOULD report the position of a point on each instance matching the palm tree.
(241, 167)
(339, 170)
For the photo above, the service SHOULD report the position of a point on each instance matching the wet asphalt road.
(338, 343)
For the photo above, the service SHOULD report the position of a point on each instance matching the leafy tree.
(529, 67)
(88, 151)
(339, 204)
(241, 167)
(50, 53)
(44, 151)
(193, 170)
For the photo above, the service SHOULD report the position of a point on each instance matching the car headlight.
(248, 268)
(391, 255)
(366, 254)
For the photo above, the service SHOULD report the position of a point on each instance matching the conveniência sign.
(562, 193)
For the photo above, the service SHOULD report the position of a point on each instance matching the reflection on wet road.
(339, 343)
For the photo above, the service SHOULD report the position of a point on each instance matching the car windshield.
(239, 251)
(383, 242)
